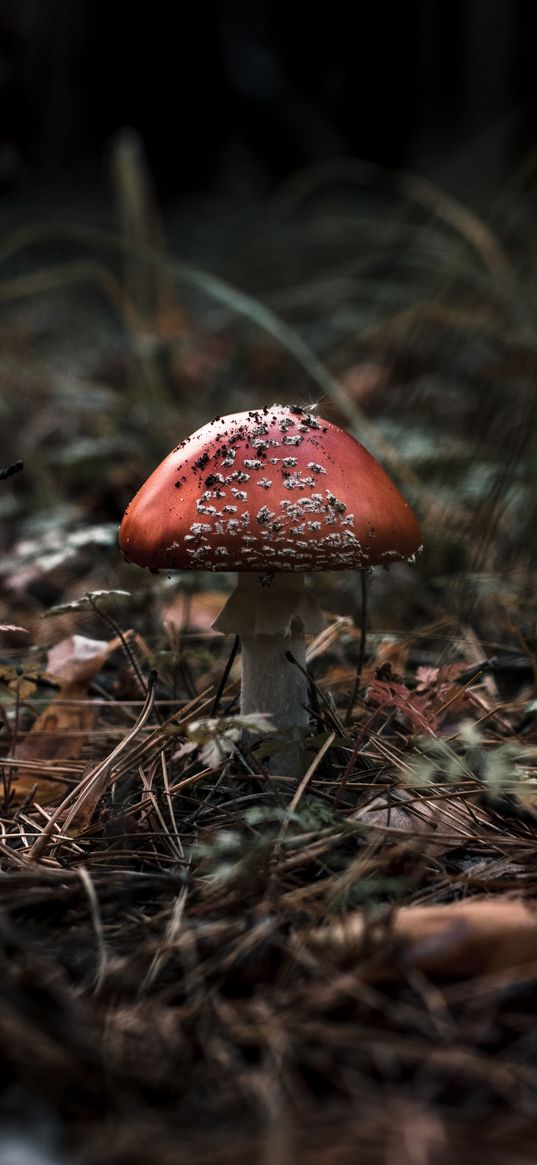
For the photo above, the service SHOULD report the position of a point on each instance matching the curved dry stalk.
(91, 785)
(412, 186)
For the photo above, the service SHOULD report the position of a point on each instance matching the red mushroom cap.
(273, 489)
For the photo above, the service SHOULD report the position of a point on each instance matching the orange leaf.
(461, 939)
(389, 694)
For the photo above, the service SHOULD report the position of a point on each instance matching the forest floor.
(200, 961)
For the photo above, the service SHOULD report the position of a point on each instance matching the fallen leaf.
(415, 709)
(61, 731)
(77, 659)
(446, 823)
(462, 939)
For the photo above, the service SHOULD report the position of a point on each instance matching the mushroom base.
(270, 615)
(270, 683)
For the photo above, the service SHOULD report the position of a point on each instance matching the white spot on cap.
(264, 515)
(237, 476)
(296, 481)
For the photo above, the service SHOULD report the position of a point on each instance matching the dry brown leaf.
(451, 820)
(77, 659)
(476, 937)
(61, 731)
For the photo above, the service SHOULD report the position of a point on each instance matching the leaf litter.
(202, 961)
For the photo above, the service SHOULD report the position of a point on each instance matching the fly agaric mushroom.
(271, 493)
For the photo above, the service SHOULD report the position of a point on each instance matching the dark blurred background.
(405, 309)
(232, 96)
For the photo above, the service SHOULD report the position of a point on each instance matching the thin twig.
(123, 640)
(339, 726)
(310, 772)
(225, 676)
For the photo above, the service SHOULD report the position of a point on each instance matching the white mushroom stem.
(271, 614)
(270, 682)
